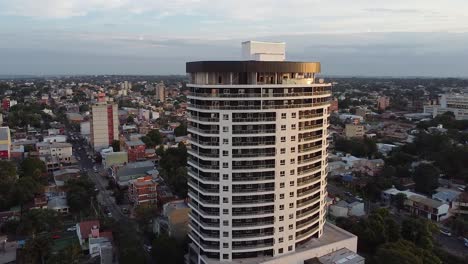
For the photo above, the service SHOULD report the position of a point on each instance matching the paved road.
(104, 197)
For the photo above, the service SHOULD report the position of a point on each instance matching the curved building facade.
(258, 158)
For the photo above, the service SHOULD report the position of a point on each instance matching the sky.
(152, 37)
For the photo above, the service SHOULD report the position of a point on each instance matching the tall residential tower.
(258, 159)
(104, 125)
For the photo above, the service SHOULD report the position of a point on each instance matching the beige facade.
(104, 125)
(354, 130)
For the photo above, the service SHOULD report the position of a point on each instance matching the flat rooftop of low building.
(341, 256)
(133, 143)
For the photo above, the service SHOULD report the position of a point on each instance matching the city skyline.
(421, 38)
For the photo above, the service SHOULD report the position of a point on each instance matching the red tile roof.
(85, 228)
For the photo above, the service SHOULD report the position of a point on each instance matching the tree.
(7, 181)
(167, 250)
(144, 213)
(80, 194)
(180, 130)
(405, 252)
(173, 169)
(32, 167)
(419, 231)
(84, 108)
(130, 119)
(426, 178)
(152, 139)
(25, 189)
(116, 145)
(36, 221)
(399, 201)
(37, 249)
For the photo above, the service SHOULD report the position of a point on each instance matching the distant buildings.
(5, 143)
(143, 190)
(354, 130)
(160, 91)
(383, 102)
(56, 150)
(334, 105)
(428, 208)
(455, 103)
(135, 149)
(104, 125)
(173, 220)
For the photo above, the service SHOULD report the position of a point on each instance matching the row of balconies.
(306, 211)
(306, 222)
(252, 119)
(203, 244)
(309, 179)
(249, 245)
(204, 222)
(308, 169)
(308, 191)
(255, 105)
(254, 154)
(253, 210)
(260, 95)
(308, 201)
(308, 232)
(253, 222)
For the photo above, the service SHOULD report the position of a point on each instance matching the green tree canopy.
(79, 195)
(116, 145)
(36, 221)
(405, 252)
(32, 167)
(426, 178)
(180, 130)
(167, 250)
(152, 139)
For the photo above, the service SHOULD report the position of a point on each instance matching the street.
(104, 198)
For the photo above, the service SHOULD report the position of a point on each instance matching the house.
(63, 175)
(58, 204)
(340, 256)
(460, 205)
(369, 167)
(345, 209)
(135, 150)
(62, 151)
(173, 220)
(85, 230)
(142, 190)
(445, 195)
(123, 174)
(427, 208)
(114, 158)
(387, 195)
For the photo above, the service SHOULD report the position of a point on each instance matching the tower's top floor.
(263, 51)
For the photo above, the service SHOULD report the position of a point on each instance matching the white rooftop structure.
(263, 51)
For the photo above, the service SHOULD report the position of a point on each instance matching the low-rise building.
(114, 159)
(58, 204)
(131, 171)
(460, 205)
(135, 150)
(62, 151)
(340, 256)
(5, 143)
(426, 207)
(345, 209)
(143, 191)
(173, 220)
(354, 130)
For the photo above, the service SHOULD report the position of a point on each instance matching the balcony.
(202, 154)
(306, 212)
(253, 211)
(253, 167)
(253, 178)
(309, 170)
(307, 149)
(253, 190)
(203, 131)
(254, 131)
(309, 127)
(310, 160)
(203, 119)
(204, 245)
(306, 223)
(304, 193)
(252, 246)
(308, 202)
(310, 232)
(206, 212)
(312, 138)
(204, 233)
(253, 223)
(204, 142)
(309, 116)
(307, 180)
(250, 235)
(204, 223)
(254, 143)
(253, 201)
(253, 155)
(259, 119)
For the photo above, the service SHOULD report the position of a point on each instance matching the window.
(290, 237)
(282, 173)
(283, 127)
(225, 188)
(291, 183)
(290, 248)
(283, 139)
(291, 172)
(291, 216)
(225, 129)
(225, 234)
(283, 150)
(225, 256)
(225, 200)
(291, 227)
(293, 126)
(226, 223)
(283, 116)
(293, 138)
(225, 153)
(225, 141)
(225, 176)
(282, 162)
(282, 185)
(281, 207)
(280, 240)
(225, 211)
(291, 205)
(292, 161)
(225, 117)
(280, 251)
(225, 165)
(281, 229)
(293, 149)
(225, 245)
(291, 194)
(293, 115)
(282, 196)
(281, 218)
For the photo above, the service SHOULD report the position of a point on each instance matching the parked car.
(71, 229)
(147, 248)
(55, 236)
(445, 231)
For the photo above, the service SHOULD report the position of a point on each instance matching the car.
(55, 236)
(465, 240)
(109, 214)
(445, 232)
(96, 189)
(147, 248)
(71, 229)
(348, 193)
(466, 244)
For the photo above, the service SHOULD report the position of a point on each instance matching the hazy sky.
(349, 37)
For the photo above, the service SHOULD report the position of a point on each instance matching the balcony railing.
(194, 236)
(310, 127)
(262, 95)
(304, 193)
(307, 212)
(199, 209)
(204, 131)
(253, 190)
(302, 172)
(254, 223)
(305, 203)
(253, 167)
(302, 235)
(306, 139)
(203, 154)
(203, 119)
(307, 181)
(259, 119)
(306, 149)
(308, 116)
(254, 143)
(256, 131)
(247, 235)
(253, 201)
(252, 212)
(314, 159)
(249, 246)
(203, 223)
(253, 178)
(253, 155)
(203, 142)
(298, 226)
(202, 232)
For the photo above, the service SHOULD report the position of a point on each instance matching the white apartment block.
(258, 161)
(104, 125)
(56, 150)
(456, 103)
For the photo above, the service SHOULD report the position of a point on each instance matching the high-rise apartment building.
(160, 91)
(104, 125)
(258, 159)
